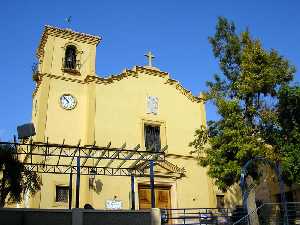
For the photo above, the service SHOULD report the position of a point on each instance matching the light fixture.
(93, 173)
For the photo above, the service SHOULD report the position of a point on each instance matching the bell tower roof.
(66, 34)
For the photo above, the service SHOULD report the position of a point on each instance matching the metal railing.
(197, 216)
(71, 65)
(273, 214)
(268, 214)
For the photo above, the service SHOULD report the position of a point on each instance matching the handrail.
(263, 205)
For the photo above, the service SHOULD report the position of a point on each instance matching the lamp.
(93, 173)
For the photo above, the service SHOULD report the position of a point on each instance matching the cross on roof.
(149, 56)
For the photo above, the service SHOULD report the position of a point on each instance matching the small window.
(220, 201)
(152, 138)
(70, 58)
(62, 193)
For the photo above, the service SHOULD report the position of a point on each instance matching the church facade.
(141, 106)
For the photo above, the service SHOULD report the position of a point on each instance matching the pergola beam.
(86, 170)
(52, 158)
(129, 156)
(61, 149)
(115, 155)
(90, 151)
(102, 154)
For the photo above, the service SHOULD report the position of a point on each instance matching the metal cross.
(150, 56)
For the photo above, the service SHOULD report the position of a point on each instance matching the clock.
(68, 101)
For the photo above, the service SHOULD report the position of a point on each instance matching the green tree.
(248, 96)
(286, 136)
(15, 178)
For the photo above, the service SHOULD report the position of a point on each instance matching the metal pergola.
(87, 160)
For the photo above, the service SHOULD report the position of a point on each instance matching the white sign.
(152, 105)
(113, 204)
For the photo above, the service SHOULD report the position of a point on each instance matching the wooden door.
(144, 198)
(162, 197)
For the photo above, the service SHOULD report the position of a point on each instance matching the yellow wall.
(121, 109)
(115, 110)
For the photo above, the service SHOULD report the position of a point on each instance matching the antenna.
(68, 21)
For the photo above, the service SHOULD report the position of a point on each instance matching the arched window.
(70, 57)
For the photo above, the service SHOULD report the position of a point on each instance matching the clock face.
(68, 101)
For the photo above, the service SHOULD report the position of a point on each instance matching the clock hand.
(66, 99)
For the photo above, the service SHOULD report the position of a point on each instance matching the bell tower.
(63, 52)
(62, 100)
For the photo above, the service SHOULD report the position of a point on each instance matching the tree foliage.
(251, 97)
(288, 134)
(15, 178)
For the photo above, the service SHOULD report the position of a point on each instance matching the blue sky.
(176, 31)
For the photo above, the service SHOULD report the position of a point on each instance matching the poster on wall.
(113, 204)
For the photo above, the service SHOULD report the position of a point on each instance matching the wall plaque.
(152, 105)
(113, 204)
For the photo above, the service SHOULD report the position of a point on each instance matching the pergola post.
(132, 193)
(152, 184)
(77, 182)
(70, 189)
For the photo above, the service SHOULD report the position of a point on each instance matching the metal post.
(132, 193)
(152, 184)
(70, 190)
(77, 182)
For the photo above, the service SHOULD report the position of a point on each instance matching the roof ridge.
(72, 31)
(134, 73)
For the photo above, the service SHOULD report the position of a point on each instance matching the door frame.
(144, 181)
